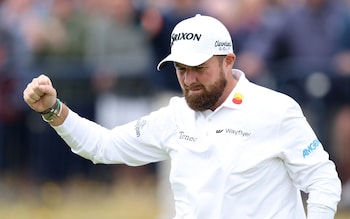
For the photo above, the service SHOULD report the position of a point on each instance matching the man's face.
(202, 85)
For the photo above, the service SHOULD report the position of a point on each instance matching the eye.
(180, 68)
(199, 68)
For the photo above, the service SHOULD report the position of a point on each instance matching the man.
(237, 150)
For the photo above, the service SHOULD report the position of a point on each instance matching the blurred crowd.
(102, 54)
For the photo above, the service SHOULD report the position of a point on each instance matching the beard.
(208, 97)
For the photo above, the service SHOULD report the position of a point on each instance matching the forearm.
(324, 192)
(101, 145)
(81, 135)
(92, 141)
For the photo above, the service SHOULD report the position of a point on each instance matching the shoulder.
(270, 100)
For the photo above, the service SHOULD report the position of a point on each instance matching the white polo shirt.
(248, 159)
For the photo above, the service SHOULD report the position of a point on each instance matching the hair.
(221, 59)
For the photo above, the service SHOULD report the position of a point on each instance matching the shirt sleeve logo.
(312, 147)
(139, 125)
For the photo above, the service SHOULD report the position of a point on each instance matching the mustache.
(194, 87)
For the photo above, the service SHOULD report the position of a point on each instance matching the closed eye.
(199, 68)
(181, 69)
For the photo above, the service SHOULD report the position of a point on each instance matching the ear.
(230, 60)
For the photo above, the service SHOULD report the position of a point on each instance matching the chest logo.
(237, 98)
(183, 136)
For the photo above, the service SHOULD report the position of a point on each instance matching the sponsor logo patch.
(223, 45)
(312, 147)
(185, 36)
(233, 132)
(237, 98)
(184, 136)
(139, 125)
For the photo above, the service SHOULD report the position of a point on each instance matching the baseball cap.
(195, 40)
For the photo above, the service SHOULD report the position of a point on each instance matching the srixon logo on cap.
(185, 36)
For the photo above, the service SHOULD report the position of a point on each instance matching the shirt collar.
(236, 99)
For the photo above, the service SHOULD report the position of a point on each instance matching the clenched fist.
(40, 95)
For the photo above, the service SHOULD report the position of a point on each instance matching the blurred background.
(101, 56)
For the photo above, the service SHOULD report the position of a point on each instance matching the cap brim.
(185, 58)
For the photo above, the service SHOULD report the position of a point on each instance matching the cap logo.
(185, 36)
(223, 46)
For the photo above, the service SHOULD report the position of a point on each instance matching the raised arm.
(41, 96)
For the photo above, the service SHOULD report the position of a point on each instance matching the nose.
(189, 77)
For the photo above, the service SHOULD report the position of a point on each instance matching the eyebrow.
(177, 64)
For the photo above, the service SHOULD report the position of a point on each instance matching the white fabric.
(320, 212)
(248, 159)
(197, 39)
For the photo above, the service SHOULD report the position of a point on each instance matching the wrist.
(55, 110)
(59, 118)
(51, 109)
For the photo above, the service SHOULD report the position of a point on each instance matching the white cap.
(196, 39)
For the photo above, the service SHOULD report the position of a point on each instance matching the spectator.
(307, 53)
(18, 35)
(118, 52)
(341, 142)
(300, 50)
(60, 48)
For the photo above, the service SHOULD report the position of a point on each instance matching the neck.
(231, 84)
